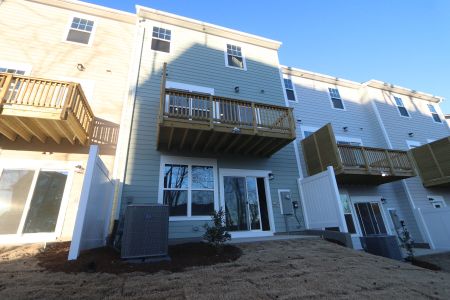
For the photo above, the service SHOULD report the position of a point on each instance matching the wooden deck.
(433, 162)
(203, 123)
(355, 164)
(36, 108)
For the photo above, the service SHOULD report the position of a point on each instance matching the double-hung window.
(289, 87)
(80, 31)
(401, 107)
(234, 57)
(189, 188)
(161, 39)
(434, 113)
(336, 99)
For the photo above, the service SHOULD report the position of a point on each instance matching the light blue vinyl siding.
(314, 110)
(198, 59)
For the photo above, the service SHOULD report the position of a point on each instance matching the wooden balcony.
(433, 162)
(40, 108)
(354, 164)
(202, 123)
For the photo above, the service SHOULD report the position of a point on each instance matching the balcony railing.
(41, 108)
(191, 121)
(354, 164)
(433, 162)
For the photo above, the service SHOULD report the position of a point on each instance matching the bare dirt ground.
(266, 270)
(441, 259)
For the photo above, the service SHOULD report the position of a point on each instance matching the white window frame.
(307, 128)
(348, 139)
(36, 166)
(375, 199)
(352, 212)
(437, 200)
(162, 26)
(413, 144)
(397, 106)
(189, 161)
(340, 97)
(293, 89)
(244, 60)
(16, 66)
(436, 112)
(69, 26)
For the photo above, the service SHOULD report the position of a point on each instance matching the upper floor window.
(12, 71)
(289, 89)
(161, 39)
(80, 31)
(234, 57)
(401, 107)
(434, 113)
(336, 99)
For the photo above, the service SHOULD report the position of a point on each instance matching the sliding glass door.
(30, 200)
(242, 207)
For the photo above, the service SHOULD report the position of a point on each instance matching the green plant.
(406, 241)
(217, 234)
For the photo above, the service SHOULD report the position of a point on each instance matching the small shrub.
(217, 234)
(406, 241)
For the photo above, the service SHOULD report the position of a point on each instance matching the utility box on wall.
(146, 232)
(285, 202)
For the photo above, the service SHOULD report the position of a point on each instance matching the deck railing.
(226, 111)
(384, 161)
(44, 95)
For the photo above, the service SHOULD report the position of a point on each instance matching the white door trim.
(249, 173)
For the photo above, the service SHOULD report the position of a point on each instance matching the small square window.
(234, 56)
(401, 107)
(434, 113)
(336, 98)
(289, 87)
(161, 39)
(80, 31)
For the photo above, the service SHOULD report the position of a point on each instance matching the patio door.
(242, 206)
(30, 201)
(371, 218)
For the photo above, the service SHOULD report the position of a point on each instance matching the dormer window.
(80, 31)
(434, 113)
(234, 57)
(161, 39)
(401, 107)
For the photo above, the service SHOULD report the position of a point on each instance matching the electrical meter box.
(286, 202)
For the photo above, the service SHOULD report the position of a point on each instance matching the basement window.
(80, 31)
(234, 57)
(401, 107)
(336, 100)
(434, 113)
(289, 88)
(161, 39)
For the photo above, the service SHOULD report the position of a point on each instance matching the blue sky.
(404, 42)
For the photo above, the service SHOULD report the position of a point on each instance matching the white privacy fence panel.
(94, 209)
(437, 225)
(321, 202)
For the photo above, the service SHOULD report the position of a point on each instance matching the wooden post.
(211, 114)
(69, 99)
(162, 93)
(366, 161)
(255, 128)
(391, 165)
(4, 89)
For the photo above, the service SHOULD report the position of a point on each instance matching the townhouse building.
(211, 128)
(63, 84)
(364, 131)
